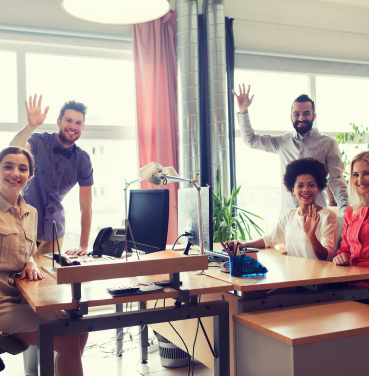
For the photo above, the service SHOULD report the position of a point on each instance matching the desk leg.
(144, 337)
(221, 343)
(119, 331)
(45, 352)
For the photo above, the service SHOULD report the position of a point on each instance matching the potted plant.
(231, 222)
(359, 137)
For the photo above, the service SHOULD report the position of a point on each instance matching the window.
(5, 138)
(274, 94)
(102, 78)
(341, 101)
(258, 172)
(8, 84)
(105, 86)
(110, 170)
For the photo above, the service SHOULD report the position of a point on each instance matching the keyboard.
(222, 256)
(123, 290)
(130, 290)
(97, 260)
(218, 254)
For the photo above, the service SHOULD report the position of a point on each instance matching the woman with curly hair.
(309, 231)
(354, 249)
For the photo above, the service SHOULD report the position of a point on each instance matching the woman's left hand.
(31, 271)
(310, 221)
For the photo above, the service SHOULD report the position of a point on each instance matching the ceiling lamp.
(116, 11)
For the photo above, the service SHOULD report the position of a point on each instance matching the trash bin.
(170, 355)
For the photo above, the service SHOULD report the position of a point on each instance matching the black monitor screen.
(148, 217)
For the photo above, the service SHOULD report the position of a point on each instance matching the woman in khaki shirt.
(18, 229)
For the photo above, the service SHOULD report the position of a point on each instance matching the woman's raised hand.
(243, 99)
(342, 260)
(310, 221)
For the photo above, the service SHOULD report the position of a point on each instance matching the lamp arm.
(131, 182)
(177, 178)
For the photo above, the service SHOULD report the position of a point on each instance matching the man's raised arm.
(35, 119)
(249, 137)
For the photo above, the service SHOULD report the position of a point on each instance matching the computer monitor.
(188, 216)
(148, 217)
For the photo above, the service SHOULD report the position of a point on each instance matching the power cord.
(184, 234)
(194, 342)
(184, 343)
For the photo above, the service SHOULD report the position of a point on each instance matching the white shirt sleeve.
(329, 232)
(278, 234)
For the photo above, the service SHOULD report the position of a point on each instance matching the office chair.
(12, 346)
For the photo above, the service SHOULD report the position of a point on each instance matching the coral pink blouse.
(355, 236)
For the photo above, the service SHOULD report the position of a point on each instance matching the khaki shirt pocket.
(30, 235)
(9, 246)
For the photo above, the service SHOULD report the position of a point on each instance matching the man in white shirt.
(305, 142)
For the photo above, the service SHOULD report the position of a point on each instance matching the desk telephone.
(110, 242)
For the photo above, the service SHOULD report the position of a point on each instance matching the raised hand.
(243, 99)
(34, 113)
(310, 221)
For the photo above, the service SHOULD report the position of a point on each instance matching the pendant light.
(116, 12)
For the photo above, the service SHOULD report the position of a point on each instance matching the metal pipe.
(213, 11)
(189, 152)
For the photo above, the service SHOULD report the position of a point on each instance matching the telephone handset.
(110, 242)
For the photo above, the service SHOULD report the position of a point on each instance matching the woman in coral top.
(355, 234)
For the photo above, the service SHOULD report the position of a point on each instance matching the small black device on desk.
(130, 290)
(110, 242)
(64, 260)
(222, 256)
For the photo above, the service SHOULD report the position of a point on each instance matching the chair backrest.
(340, 228)
(11, 345)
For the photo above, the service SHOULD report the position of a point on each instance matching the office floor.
(99, 359)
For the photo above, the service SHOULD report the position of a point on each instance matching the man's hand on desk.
(80, 251)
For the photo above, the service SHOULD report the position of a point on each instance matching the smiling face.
(360, 176)
(302, 117)
(305, 189)
(70, 127)
(14, 174)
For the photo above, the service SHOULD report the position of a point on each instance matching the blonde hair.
(357, 199)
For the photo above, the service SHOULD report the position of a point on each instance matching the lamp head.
(155, 173)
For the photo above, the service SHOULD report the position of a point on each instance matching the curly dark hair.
(305, 166)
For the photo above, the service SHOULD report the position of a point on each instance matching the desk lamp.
(156, 174)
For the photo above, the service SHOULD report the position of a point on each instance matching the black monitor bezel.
(165, 215)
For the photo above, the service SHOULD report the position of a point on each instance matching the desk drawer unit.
(326, 339)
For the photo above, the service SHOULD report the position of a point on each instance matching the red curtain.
(154, 46)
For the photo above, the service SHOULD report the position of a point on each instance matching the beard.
(306, 128)
(64, 140)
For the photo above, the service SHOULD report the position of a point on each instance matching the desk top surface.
(289, 271)
(310, 323)
(46, 295)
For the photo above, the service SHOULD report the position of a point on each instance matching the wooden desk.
(289, 271)
(47, 295)
(316, 339)
(284, 271)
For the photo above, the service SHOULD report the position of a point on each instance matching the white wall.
(305, 28)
